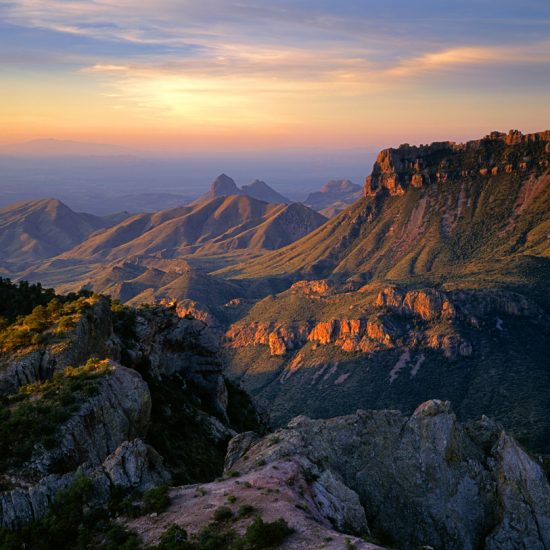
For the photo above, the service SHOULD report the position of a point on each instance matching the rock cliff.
(422, 480)
(396, 170)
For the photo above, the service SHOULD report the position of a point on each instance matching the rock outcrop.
(92, 336)
(397, 170)
(424, 480)
(99, 441)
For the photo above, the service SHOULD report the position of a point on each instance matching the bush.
(155, 500)
(119, 538)
(267, 535)
(223, 513)
(174, 538)
(245, 510)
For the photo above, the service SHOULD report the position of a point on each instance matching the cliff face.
(423, 480)
(396, 170)
(395, 318)
(102, 398)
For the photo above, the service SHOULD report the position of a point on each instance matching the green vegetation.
(45, 324)
(217, 536)
(71, 524)
(245, 510)
(21, 299)
(34, 414)
(155, 500)
(223, 513)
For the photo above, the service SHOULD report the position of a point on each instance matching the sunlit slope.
(472, 208)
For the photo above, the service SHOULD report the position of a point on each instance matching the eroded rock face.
(423, 480)
(120, 411)
(396, 170)
(99, 441)
(92, 337)
(427, 304)
(174, 345)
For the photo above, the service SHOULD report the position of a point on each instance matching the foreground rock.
(99, 440)
(423, 480)
(277, 490)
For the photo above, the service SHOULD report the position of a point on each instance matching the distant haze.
(100, 178)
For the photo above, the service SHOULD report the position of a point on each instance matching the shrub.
(174, 538)
(223, 513)
(119, 538)
(245, 510)
(267, 535)
(155, 500)
(231, 499)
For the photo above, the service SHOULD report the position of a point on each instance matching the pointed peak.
(224, 185)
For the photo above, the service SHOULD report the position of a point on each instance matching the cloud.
(449, 59)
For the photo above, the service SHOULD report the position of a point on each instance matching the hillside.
(443, 212)
(38, 229)
(433, 285)
(120, 430)
(154, 256)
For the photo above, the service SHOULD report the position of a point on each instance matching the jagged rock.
(133, 465)
(238, 446)
(182, 346)
(92, 337)
(395, 170)
(102, 426)
(427, 304)
(119, 412)
(136, 465)
(423, 480)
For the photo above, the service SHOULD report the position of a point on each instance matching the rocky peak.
(423, 481)
(260, 190)
(224, 185)
(396, 170)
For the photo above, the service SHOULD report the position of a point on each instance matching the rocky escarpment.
(396, 170)
(386, 323)
(423, 480)
(100, 439)
(111, 420)
(91, 336)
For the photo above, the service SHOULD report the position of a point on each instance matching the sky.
(180, 75)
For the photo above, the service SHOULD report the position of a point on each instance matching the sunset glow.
(174, 75)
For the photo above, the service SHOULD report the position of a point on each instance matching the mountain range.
(224, 186)
(333, 197)
(374, 380)
(428, 286)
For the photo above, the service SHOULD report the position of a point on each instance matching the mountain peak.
(259, 189)
(224, 185)
(339, 186)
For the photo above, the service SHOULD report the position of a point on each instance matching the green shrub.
(120, 538)
(174, 538)
(212, 537)
(155, 500)
(245, 510)
(231, 499)
(223, 513)
(267, 535)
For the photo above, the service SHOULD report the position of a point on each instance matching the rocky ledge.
(396, 170)
(426, 480)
